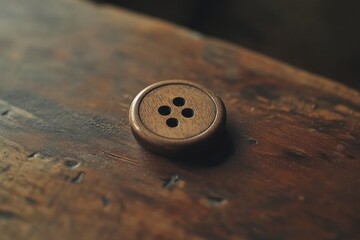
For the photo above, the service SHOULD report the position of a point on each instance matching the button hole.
(187, 112)
(179, 101)
(164, 110)
(172, 122)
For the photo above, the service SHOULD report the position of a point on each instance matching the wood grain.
(71, 169)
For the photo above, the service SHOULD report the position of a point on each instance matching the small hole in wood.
(164, 110)
(187, 112)
(172, 122)
(179, 101)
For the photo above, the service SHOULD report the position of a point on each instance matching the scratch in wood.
(5, 112)
(262, 99)
(252, 140)
(7, 215)
(171, 181)
(216, 200)
(4, 108)
(121, 158)
(79, 177)
(71, 164)
(23, 113)
(31, 155)
(105, 200)
(37, 155)
(296, 154)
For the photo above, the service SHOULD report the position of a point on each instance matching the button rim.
(164, 145)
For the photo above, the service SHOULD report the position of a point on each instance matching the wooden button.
(176, 116)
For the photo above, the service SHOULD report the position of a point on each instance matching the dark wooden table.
(71, 169)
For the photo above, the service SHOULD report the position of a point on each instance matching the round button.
(176, 116)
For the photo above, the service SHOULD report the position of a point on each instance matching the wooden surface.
(71, 169)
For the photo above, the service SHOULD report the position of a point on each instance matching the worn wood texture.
(71, 169)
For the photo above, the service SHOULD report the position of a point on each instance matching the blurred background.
(321, 36)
